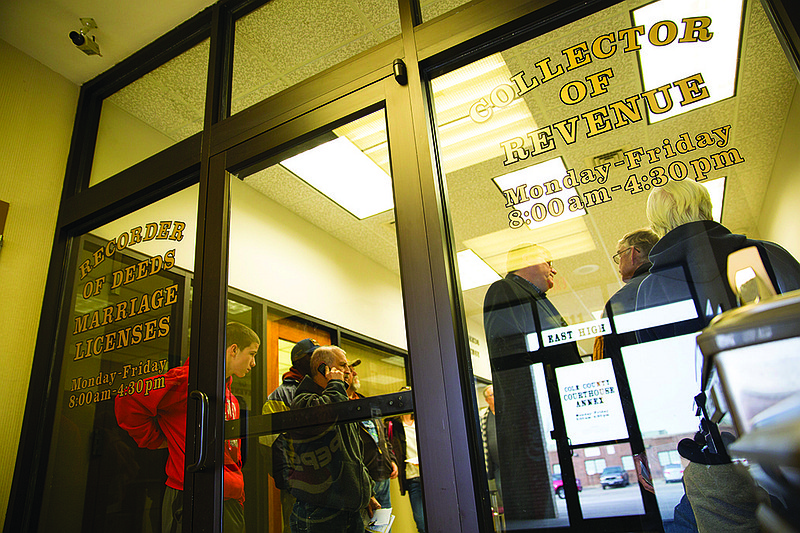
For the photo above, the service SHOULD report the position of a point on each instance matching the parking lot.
(596, 502)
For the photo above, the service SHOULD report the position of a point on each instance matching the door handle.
(201, 435)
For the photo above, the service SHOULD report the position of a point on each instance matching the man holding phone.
(329, 480)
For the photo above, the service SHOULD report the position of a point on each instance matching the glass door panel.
(160, 109)
(312, 235)
(125, 328)
(555, 152)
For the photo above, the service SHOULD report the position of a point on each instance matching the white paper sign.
(591, 402)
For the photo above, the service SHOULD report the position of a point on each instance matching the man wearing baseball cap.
(301, 355)
(378, 454)
(280, 400)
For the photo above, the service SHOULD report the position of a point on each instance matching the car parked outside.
(614, 476)
(673, 473)
(558, 485)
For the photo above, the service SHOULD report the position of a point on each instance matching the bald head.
(533, 263)
(333, 357)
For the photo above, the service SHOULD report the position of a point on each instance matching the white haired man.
(689, 262)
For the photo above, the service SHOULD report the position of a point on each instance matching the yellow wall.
(122, 141)
(37, 109)
(401, 509)
(778, 221)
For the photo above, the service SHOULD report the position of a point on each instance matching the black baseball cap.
(304, 348)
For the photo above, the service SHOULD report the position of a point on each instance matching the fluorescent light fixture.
(532, 342)
(369, 135)
(563, 239)
(462, 141)
(716, 189)
(541, 209)
(716, 59)
(473, 271)
(343, 173)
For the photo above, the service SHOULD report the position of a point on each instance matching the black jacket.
(397, 436)
(327, 467)
(624, 300)
(690, 265)
(513, 310)
(378, 456)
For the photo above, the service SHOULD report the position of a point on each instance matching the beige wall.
(330, 281)
(122, 141)
(37, 109)
(778, 221)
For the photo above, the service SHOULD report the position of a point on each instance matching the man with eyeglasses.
(632, 257)
(522, 329)
(329, 479)
(516, 308)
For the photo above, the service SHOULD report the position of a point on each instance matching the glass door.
(313, 233)
(567, 159)
(125, 345)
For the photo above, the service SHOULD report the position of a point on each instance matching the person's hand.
(332, 373)
(372, 506)
(394, 473)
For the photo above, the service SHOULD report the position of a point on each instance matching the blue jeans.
(414, 488)
(382, 494)
(307, 518)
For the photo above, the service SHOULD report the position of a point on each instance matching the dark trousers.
(172, 513)
(307, 518)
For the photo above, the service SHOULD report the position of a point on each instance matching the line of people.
(158, 420)
(681, 258)
(332, 480)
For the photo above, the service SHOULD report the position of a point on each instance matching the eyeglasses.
(617, 255)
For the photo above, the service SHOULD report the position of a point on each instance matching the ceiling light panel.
(548, 200)
(563, 239)
(716, 59)
(369, 135)
(343, 173)
(716, 189)
(473, 271)
(465, 140)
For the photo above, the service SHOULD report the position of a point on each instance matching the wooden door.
(292, 330)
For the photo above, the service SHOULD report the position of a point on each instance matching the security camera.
(83, 40)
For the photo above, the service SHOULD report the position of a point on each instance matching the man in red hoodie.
(158, 420)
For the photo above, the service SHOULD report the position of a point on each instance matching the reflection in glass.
(558, 142)
(124, 332)
(163, 107)
(715, 55)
